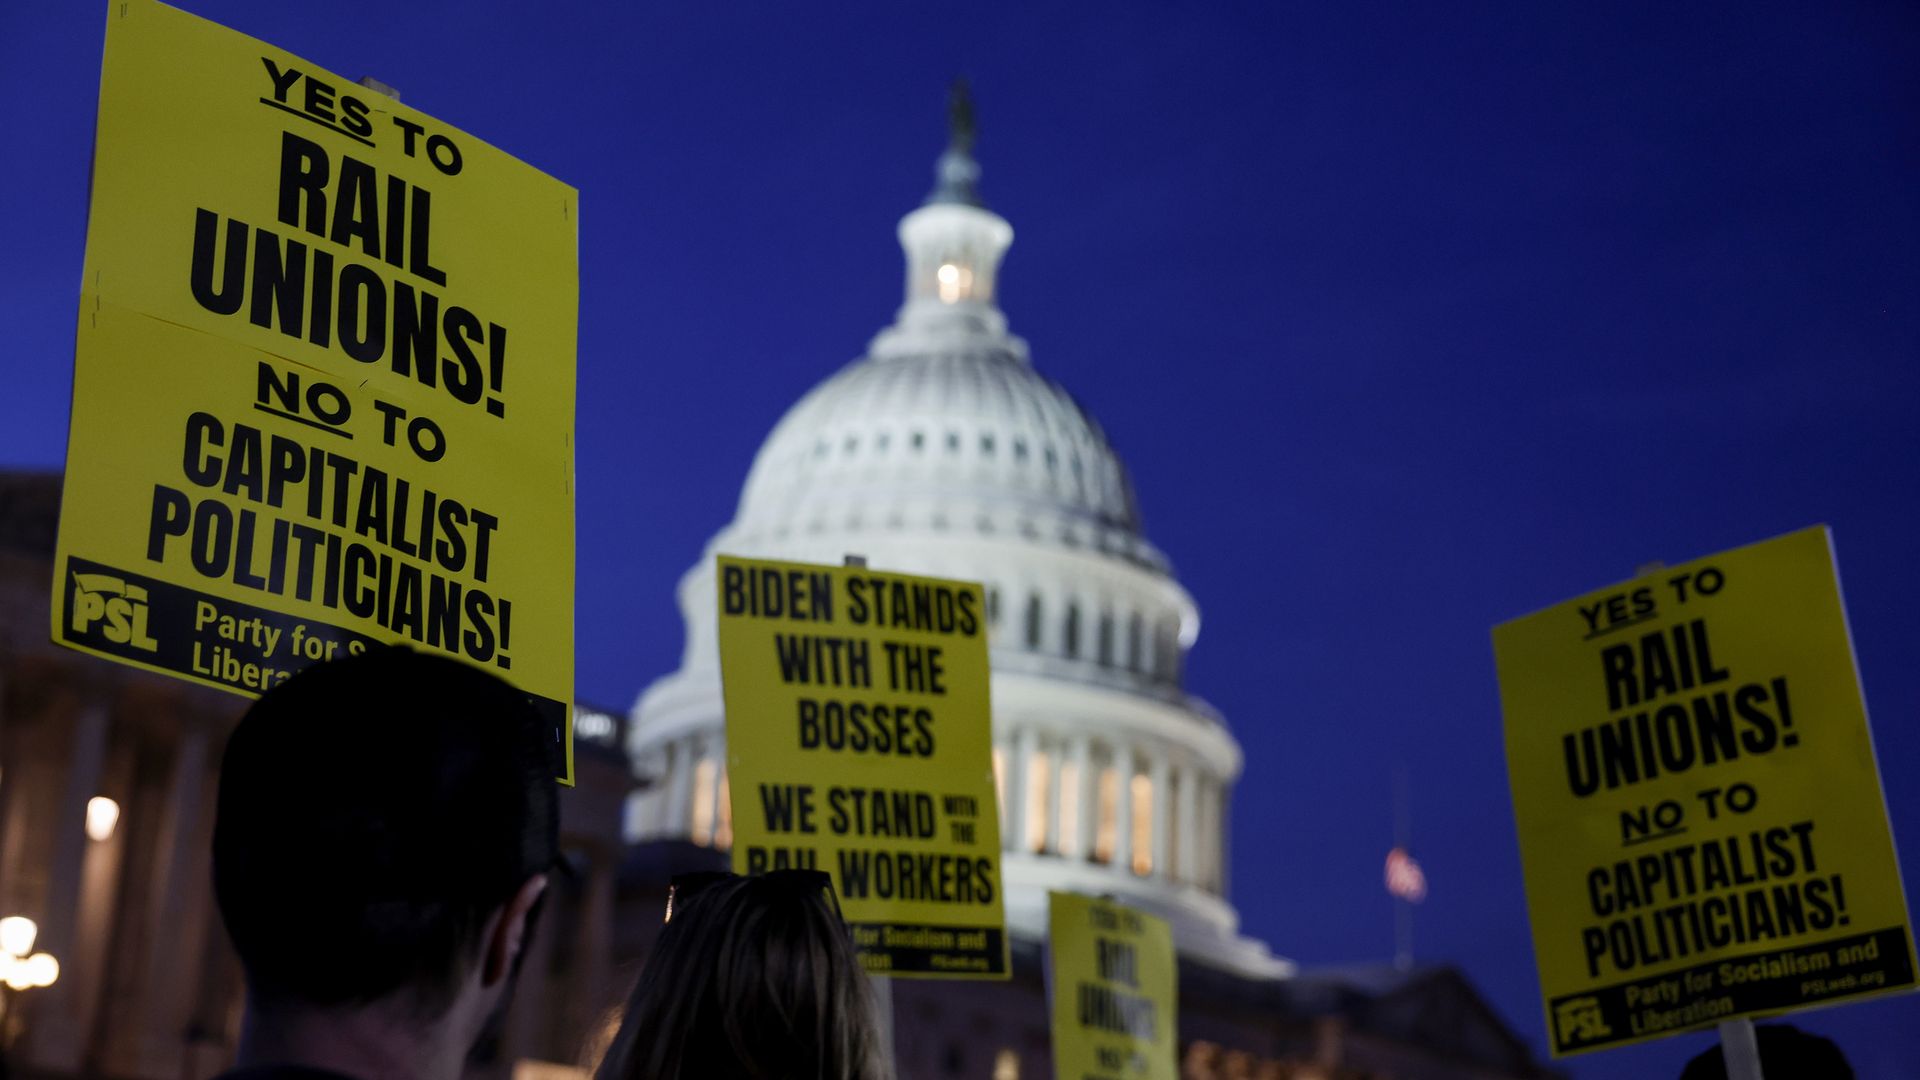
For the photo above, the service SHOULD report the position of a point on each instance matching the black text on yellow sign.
(859, 742)
(1115, 984)
(324, 370)
(1700, 815)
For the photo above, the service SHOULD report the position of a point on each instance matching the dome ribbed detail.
(979, 426)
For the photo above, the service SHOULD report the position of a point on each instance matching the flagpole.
(1402, 838)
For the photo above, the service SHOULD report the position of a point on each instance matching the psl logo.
(1581, 1019)
(123, 608)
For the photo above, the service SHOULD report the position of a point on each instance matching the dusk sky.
(1407, 321)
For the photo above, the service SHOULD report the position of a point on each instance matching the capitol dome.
(943, 451)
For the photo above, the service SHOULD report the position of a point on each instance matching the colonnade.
(1152, 811)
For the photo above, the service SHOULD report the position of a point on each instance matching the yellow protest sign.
(860, 742)
(1701, 823)
(1115, 988)
(324, 373)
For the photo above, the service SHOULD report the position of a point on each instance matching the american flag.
(1405, 879)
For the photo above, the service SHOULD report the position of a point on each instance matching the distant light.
(1006, 1064)
(595, 726)
(102, 815)
(956, 282)
(41, 968)
(16, 935)
(1405, 879)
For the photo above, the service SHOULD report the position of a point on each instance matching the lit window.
(1006, 1065)
(956, 282)
(102, 815)
(1039, 773)
(1142, 824)
(702, 817)
(1107, 834)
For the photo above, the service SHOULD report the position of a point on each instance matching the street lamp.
(16, 935)
(19, 971)
(102, 815)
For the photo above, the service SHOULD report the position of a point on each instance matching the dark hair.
(1785, 1051)
(753, 977)
(374, 811)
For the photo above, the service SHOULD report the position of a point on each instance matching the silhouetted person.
(1786, 1053)
(752, 977)
(385, 827)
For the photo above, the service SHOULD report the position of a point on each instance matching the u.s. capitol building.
(944, 451)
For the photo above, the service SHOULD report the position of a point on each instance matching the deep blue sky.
(1407, 322)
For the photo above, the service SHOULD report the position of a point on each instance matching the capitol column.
(1053, 842)
(1162, 812)
(1017, 769)
(1086, 800)
(56, 1037)
(716, 801)
(676, 821)
(1123, 808)
(1188, 869)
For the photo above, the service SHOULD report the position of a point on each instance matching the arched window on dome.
(1072, 636)
(1167, 649)
(1135, 631)
(1034, 624)
(993, 606)
(1105, 643)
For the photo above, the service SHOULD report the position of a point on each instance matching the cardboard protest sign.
(323, 378)
(860, 742)
(1115, 989)
(1700, 815)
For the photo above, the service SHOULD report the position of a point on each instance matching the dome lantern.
(953, 242)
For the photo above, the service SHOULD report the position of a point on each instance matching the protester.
(1786, 1053)
(751, 977)
(385, 827)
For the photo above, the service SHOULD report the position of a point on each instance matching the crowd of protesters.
(380, 935)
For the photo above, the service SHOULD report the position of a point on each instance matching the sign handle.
(883, 1010)
(1740, 1049)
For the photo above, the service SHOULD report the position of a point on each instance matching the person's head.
(384, 830)
(1785, 1050)
(751, 977)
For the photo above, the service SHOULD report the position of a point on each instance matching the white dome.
(942, 451)
(890, 434)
